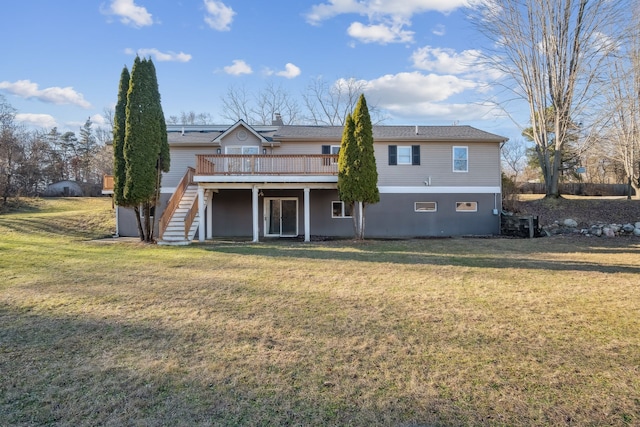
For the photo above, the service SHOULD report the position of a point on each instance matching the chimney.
(277, 121)
(416, 129)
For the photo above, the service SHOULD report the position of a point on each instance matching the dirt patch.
(585, 210)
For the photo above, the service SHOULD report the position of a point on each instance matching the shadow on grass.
(77, 371)
(478, 253)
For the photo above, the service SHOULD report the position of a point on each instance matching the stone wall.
(570, 226)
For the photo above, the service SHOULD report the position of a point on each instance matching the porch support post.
(256, 222)
(307, 216)
(210, 215)
(202, 219)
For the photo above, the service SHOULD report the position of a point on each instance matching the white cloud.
(443, 60)
(130, 13)
(416, 87)
(378, 9)
(54, 95)
(387, 18)
(160, 56)
(238, 67)
(219, 16)
(37, 120)
(469, 63)
(379, 33)
(418, 97)
(439, 30)
(98, 120)
(290, 71)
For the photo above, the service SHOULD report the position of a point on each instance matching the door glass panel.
(274, 216)
(289, 218)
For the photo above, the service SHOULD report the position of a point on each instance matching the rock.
(571, 223)
(596, 231)
(637, 225)
(615, 228)
(608, 232)
(636, 231)
(628, 228)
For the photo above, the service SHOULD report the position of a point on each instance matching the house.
(281, 181)
(64, 189)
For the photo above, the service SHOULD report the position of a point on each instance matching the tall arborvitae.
(145, 150)
(363, 134)
(347, 164)
(119, 123)
(357, 171)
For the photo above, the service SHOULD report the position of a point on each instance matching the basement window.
(340, 210)
(426, 206)
(466, 206)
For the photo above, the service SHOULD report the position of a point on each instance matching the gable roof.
(241, 123)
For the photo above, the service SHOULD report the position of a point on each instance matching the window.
(333, 150)
(404, 155)
(460, 159)
(340, 210)
(235, 149)
(466, 206)
(426, 206)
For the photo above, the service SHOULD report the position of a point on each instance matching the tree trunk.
(553, 183)
(136, 210)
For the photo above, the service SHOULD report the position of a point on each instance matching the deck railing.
(107, 183)
(267, 164)
(174, 201)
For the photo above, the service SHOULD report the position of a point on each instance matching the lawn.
(430, 332)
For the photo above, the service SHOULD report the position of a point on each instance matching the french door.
(281, 217)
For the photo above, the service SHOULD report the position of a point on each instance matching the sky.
(417, 59)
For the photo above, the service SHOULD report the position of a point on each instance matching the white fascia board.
(215, 186)
(265, 178)
(439, 190)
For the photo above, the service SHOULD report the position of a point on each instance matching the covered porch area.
(267, 209)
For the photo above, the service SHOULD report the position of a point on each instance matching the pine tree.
(119, 124)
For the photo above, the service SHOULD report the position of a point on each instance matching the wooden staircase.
(175, 233)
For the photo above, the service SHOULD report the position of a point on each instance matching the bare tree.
(623, 104)
(514, 157)
(260, 108)
(551, 52)
(274, 101)
(329, 104)
(236, 104)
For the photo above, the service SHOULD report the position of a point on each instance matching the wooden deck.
(267, 164)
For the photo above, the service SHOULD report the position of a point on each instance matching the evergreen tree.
(357, 171)
(145, 149)
(119, 124)
(347, 163)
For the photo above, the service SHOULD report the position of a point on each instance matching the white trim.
(439, 190)
(453, 159)
(266, 207)
(307, 215)
(435, 207)
(265, 178)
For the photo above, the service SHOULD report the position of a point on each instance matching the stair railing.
(191, 214)
(174, 201)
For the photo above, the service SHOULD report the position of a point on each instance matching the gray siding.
(436, 161)
(393, 217)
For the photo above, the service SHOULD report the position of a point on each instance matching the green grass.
(440, 332)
